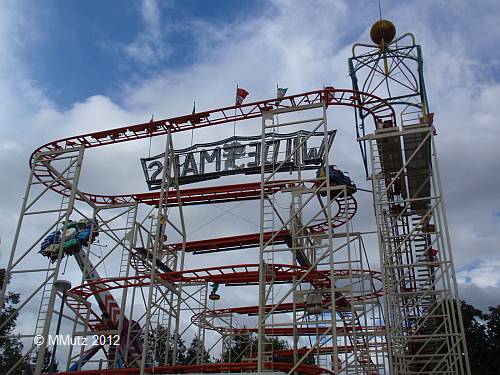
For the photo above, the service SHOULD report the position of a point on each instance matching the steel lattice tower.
(422, 310)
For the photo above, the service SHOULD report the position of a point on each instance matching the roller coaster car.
(76, 235)
(337, 178)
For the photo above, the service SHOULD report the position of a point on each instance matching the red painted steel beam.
(243, 241)
(212, 194)
(251, 240)
(323, 350)
(207, 368)
(309, 331)
(240, 274)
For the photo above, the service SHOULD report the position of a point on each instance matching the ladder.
(63, 213)
(127, 242)
(267, 226)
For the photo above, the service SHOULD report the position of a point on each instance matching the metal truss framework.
(425, 333)
(136, 239)
(57, 213)
(422, 309)
(132, 243)
(337, 311)
(394, 72)
(315, 286)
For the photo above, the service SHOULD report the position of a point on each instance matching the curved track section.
(232, 275)
(377, 107)
(235, 275)
(346, 209)
(207, 318)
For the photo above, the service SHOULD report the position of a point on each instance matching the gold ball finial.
(383, 30)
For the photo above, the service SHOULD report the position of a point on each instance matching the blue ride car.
(76, 235)
(337, 178)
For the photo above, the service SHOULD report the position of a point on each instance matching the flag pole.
(235, 102)
(150, 136)
(277, 118)
(192, 129)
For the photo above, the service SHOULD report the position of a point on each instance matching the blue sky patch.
(81, 46)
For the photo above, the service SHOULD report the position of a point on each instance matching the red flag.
(241, 94)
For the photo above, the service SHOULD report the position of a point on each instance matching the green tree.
(10, 348)
(195, 350)
(492, 319)
(165, 347)
(46, 362)
(476, 338)
(242, 346)
(245, 346)
(482, 334)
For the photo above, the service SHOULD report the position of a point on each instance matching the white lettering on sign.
(241, 155)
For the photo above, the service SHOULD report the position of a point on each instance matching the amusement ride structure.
(318, 307)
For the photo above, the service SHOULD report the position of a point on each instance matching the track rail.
(377, 107)
(208, 368)
(231, 275)
(234, 275)
(213, 194)
(346, 209)
(203, 318)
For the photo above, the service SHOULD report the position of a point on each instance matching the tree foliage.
(244, 347)
(46, 368)
(196, 353)
(10, 348)
(482, 333)
(165, 347)
(183, 356)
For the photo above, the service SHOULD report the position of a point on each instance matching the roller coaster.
(311, 283)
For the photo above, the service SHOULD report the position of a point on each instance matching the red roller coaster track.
(247, 274)
(377, 107)
(233, 275)
(208, 368)
(346, 209)
(240, 274)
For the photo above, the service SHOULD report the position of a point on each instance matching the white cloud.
(480, 297)
(484, 274)
(149, 46)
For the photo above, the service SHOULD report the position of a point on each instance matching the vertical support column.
(331, 262)
(323, 263)
(173, 259)
(262, 265)
(157, 243)
(455, 310)
(70, 179)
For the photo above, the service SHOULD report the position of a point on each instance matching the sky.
(71, 67)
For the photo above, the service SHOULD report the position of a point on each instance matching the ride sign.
(241, 155)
